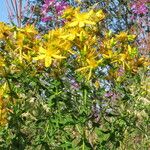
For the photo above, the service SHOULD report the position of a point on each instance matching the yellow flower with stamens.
(4, 30)
(69, 36)
(29, 29)
(81, 19)
(48, 55)
(92, 63)
(110, 55)
(100, 15)
(122, 36)
(123, 60)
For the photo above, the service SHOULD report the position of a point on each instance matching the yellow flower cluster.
(121, 51)
(79, 43)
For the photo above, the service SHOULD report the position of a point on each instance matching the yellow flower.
(97, 84)
(82, 35)
(70, 35)
(48, 55)
(122, 36)
(109, 43)
(81, 19)
(132, 51)
(123, 59)
(131, 37)
(20, 38)
(110, 55)
(62, 39)
(91, 64)
(4, 30)
(100, 15)
(29, 29)
(68, 13)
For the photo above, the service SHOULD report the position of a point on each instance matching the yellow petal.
(73, 24)
(90, 22)
(83, 68)
(81, 24)
(48, 61)
(71, 37)
(39, 57)
(42, 50)
(90, 73)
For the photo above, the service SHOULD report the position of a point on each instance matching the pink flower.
(52, 7)
(60, 6)
(139, 7)
(49, 2)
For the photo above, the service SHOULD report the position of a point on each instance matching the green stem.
(83, 145)
(85, 96)
(9, 85)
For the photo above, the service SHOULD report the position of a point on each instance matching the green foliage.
(63, 118)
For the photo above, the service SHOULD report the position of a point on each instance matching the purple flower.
(74, 84)
(46, 19)
(121, 72)
(109, 94)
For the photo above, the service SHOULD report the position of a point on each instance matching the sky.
(3, 12)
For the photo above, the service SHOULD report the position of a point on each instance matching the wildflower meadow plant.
(78, 86)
